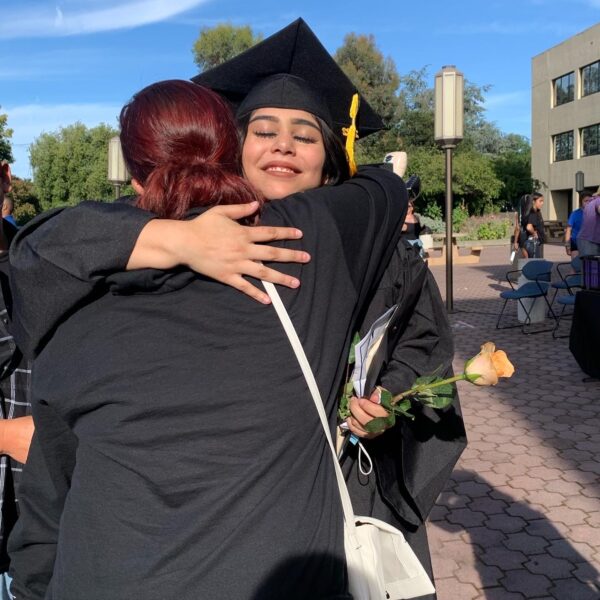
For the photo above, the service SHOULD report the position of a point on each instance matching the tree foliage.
(416, 111)
(376, 78)
(217, 44)
(474, 183)
(71, 165)
(5, 135)
(513, 167)
(26, 203)
(490, 167)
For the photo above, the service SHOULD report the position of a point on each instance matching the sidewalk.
(520, 519)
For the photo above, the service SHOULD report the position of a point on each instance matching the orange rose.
(488, 366)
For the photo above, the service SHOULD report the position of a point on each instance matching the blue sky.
(81, 60)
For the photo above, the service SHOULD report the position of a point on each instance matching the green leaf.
(402, 409)
(344, 407)
(404, 405)
(352, 355)
(386, 399)
(425, 380)
(444, 390)
(349, 389)
(438, 402)
(380, 423)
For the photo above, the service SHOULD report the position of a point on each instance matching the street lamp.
(117, 170)
(579, 183)
(449, 92)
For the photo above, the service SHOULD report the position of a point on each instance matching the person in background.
(532, 225)
(515, 238)
(588, 240)
(411, 229)
(574, 224)
(16, 424)
(8, 206)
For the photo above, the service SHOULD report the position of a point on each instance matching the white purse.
(381, 565)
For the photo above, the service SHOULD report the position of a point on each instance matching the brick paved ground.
(520, 518)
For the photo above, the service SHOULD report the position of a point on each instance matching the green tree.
(417, 115)
(417, 111)
(71, 165)
(376, 78)
(26, 203)
(5, 135)
(513, 167)
(217, 44)
(474, 184)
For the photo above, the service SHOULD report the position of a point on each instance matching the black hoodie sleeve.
(65, 254)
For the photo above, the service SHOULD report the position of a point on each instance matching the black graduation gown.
(103, 399)
(413, 460)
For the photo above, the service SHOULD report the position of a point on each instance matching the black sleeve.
(366, 212)
(414, 459)
(532, 219)
(66, 252)
(370, 228)
(44, 487)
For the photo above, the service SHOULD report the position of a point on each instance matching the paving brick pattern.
(520, 518)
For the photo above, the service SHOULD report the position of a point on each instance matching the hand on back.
(216, 245)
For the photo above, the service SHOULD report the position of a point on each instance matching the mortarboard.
(292, 69)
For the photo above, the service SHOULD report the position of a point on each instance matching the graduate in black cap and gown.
(421, 345)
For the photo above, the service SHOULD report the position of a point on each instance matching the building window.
(590, 79)
(563, 146)
(564, 89)
(590, 140)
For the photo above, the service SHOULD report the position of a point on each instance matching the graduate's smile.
(280, 169)
(283, 152)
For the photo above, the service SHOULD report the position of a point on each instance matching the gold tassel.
(351, 134)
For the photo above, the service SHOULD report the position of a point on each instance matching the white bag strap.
(316, 395)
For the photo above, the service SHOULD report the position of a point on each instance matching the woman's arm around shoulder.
(69, 252)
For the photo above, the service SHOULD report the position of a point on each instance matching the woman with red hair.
(173, 426)
(181, 148)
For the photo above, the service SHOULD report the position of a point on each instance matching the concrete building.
(565, 114)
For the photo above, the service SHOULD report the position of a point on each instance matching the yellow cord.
(351, 134)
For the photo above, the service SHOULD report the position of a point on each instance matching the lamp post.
(117, 170)
(449, 92)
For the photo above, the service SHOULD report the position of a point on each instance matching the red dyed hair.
(180, 141)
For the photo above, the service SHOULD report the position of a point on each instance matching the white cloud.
(47, 21)
(31, 120)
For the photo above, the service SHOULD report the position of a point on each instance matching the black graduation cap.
(291, 69)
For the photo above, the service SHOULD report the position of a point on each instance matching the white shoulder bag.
(381, 564)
